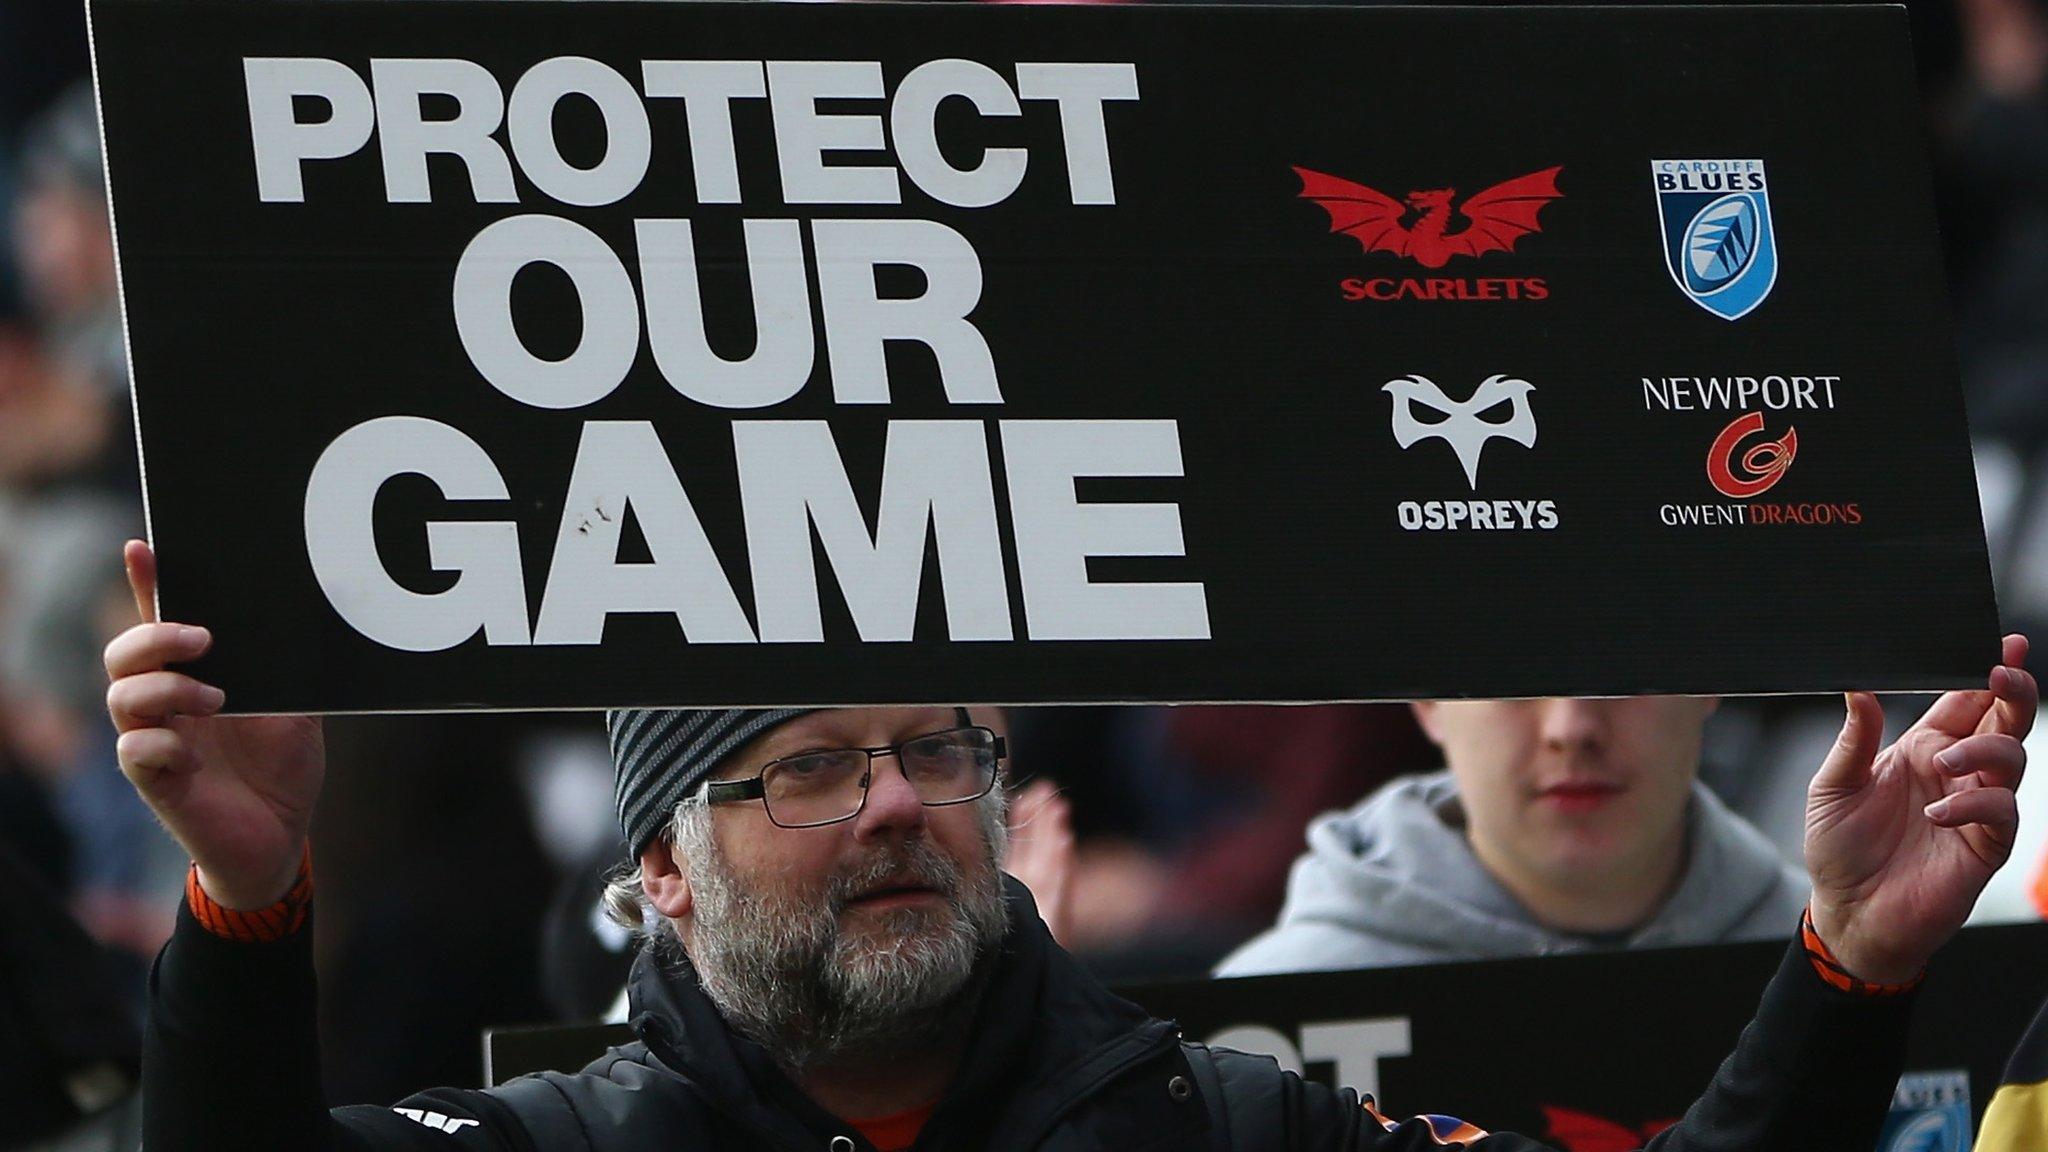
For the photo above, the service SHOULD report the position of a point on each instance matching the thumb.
(1847, 767)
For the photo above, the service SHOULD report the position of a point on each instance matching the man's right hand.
(237, 792)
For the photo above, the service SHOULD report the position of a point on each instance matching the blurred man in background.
(1558, 826)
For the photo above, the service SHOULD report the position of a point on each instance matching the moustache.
(908, 866)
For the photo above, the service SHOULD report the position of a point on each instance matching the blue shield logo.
(1930, 1113)
(1718, 241)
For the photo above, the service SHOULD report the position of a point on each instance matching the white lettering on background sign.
(1355, 1047)
(939, 483)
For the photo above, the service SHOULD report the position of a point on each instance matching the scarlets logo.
(1494, 219)
(1432, 227)
(1757, 467)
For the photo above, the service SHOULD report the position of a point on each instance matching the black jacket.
(1056, 1063)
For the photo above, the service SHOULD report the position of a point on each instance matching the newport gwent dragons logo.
(1740, 472)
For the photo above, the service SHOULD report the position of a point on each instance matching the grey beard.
(782, 974)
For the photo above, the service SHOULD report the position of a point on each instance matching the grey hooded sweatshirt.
(1393, 881)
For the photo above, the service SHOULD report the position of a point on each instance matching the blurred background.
(1185, 819)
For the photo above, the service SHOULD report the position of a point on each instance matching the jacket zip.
(1145, 1050)
(1167, 1037)
(675, 1067)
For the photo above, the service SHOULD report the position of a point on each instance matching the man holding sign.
(838, 963)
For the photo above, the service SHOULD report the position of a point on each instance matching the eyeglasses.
(811, 789)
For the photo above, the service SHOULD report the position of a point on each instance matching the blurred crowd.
(1185, 821)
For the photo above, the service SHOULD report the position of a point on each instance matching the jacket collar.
(1045, 1035)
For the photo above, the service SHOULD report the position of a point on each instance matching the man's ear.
(665, 877)
(1425, 715)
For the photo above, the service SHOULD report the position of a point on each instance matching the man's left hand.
(1900, 842)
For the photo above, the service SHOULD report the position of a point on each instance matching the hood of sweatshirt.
(1394, 881)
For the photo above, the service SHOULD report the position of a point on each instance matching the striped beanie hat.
(660, 754)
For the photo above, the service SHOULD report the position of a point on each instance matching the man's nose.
(893, 806)
(1570, 723)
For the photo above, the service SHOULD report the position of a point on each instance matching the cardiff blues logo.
(1930, 1113)
(1718, 241)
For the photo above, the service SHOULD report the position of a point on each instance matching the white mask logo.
(1461, 426)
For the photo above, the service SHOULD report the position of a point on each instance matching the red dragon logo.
(1757, 469)
(1494, 219)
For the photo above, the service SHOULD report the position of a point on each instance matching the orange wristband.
(262, 925)
(1831, 969)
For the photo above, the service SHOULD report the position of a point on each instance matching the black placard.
(1315, 354)
(1588, 1052)
(1570, 1047)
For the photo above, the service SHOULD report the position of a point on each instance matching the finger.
(1997, 809)
(148, 647)
(1053, 882)
(1958, 714)
(2019, 699)
(1058, 816)
(1999, 758)
(1847, 767)
(1030, 801)
(140, 562)
(2013, 650)
(1051, 836)
(148, 699)
(146, 754)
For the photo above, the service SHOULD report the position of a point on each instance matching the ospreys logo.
(1718, 242)
(1497, 408)
(1463, 425)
